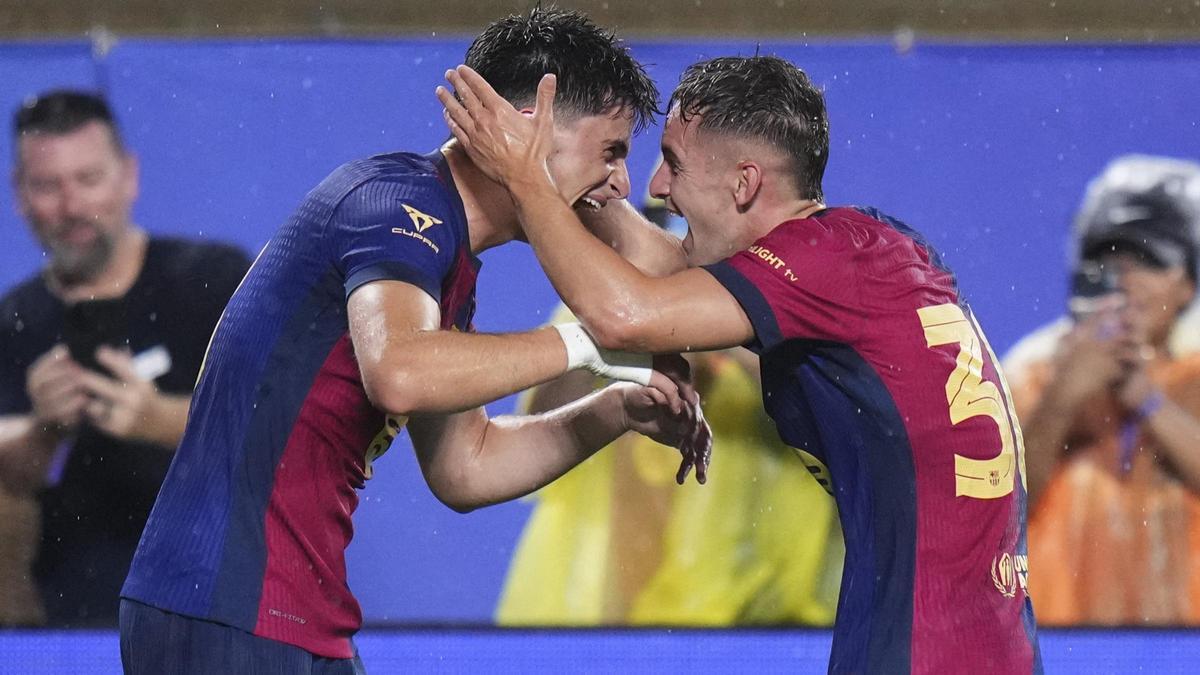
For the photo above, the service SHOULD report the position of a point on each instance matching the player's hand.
(671, 421)
(696, 450)
(55, 392)
(506, 144)
(121, 406)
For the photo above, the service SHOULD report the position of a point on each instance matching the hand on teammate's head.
(505, 143)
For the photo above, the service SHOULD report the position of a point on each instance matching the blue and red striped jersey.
(252, 522)
(874, 368)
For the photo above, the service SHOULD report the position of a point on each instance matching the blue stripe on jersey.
(934, 257)
(828, 400)
(756, 307)
(317, 323)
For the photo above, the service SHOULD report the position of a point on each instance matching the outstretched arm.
(622, 307)
(645, 245)
(410, 366)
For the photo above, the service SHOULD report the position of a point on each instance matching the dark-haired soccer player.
(354, 318)
(872, 362)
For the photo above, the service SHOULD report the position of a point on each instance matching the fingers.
(457, 117)
(100, 386)
(696, 449)
(65, 411)
(656, 397)
(54, 389)
(118, 362)
(545, 100)
(50, 389)
(669, 389)
(99, 413)
(464, 89)
(680, 371)
(52, 368)
(702, 448)
(685, 466)
(478, 88)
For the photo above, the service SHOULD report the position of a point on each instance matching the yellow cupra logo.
(421, 221)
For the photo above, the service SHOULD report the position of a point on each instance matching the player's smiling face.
(694, 183)
(588, 160)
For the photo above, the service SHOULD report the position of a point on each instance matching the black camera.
(1092, 283)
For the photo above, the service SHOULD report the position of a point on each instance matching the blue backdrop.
(986, 149)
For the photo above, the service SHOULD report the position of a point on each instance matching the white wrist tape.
(582, 352)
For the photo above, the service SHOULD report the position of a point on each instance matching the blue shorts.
(154, 642)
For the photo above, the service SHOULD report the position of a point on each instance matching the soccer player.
(871, 361)
(354, 319)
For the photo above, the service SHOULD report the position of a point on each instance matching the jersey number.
(969, 395)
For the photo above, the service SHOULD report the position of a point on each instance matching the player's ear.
(749, 183)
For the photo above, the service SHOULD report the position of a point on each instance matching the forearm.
(1178, 432)
(25, 452)
(644, 244)
(607, 289)
(559, 392)
(445, 371)
(475, 465)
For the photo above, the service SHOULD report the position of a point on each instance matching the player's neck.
(117, 277)
(767, 218)
(491, 217)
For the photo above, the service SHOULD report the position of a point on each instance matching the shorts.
(156, 642)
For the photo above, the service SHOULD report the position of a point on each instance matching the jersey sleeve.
(795, 283)
(399, 229)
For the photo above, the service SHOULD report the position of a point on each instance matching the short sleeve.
(399, 228)
(795, 283)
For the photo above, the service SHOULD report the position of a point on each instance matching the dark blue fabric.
(828, 401)
(154, 642)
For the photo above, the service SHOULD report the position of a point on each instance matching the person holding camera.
(1110, 404)
(98, 355)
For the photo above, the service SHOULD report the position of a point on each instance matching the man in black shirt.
(98, 356)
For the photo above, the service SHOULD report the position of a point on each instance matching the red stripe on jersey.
(305, 600)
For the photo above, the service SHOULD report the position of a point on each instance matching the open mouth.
(589, 203)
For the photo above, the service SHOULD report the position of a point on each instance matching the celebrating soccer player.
(872, 363)
(356, 318)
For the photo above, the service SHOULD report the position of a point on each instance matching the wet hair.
(764, 98)
(63, 111)
(594, 69)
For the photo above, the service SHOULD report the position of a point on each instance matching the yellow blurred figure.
(616, 541)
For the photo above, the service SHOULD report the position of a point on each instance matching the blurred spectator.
(617, 542)
(98, 355)
(1110, 403)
